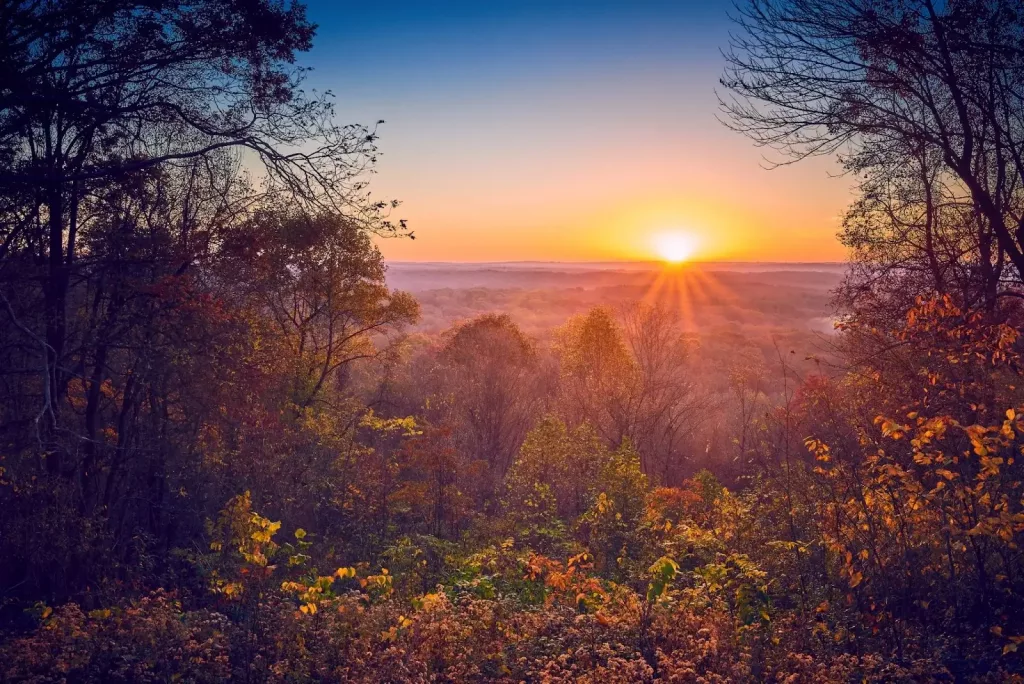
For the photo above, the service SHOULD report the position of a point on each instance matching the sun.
(675, 246)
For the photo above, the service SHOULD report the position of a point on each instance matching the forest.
(232, 448)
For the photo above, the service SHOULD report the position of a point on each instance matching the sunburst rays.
(684, 288)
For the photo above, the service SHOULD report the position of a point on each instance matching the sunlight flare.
(675, 246)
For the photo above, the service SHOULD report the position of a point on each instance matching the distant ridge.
(533, 275)
(577, 266)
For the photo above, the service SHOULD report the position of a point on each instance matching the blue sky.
(563, 130)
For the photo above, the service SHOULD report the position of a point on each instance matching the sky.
(564, 131)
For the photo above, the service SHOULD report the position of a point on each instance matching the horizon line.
(612, 261)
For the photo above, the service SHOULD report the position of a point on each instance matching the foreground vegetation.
(884, 546)
(221, 455)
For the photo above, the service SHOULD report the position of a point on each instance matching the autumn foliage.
(885, 546)
(225, 453)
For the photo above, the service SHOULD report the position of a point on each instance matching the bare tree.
(909, 235)
(891, 86)
(666, 408)
(631, 381)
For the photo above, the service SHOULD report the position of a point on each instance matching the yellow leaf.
(431, 601)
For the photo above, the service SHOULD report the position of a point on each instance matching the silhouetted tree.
(97, 94)
(920, 99)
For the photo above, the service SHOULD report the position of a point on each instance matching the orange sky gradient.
(568, 137)
(573, 210)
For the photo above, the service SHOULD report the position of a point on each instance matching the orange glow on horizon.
(582, 171)
(622, 229)
(675, 246)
